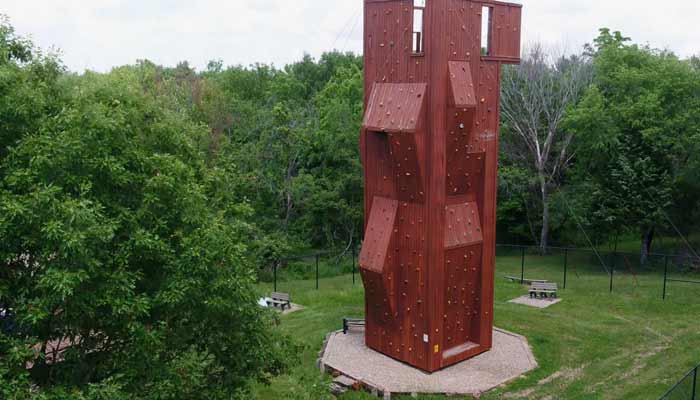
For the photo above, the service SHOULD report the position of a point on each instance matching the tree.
(28, 86)
(117, 248)
(535, 98)
(330, 185)
(293, 142)
(639, 124)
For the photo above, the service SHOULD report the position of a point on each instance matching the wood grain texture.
(463, 225)
(378, 236)
(394, 107)
(462, 90)
(430, 149)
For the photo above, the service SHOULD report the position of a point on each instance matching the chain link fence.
(658, 274)
(662, 275)
(687, 388)
(313, 268)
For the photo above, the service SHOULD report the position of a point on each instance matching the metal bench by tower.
(544, 289)
(280, 300)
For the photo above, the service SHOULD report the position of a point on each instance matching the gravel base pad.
(537, 303)
(292, 309)
(510, 358)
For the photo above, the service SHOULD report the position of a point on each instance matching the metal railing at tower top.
(687, 388)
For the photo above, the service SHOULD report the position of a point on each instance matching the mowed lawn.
(594, 345)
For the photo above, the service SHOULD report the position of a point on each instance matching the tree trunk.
(544, 235)
(647, 239)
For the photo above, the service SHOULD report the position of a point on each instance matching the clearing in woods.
(593, 345)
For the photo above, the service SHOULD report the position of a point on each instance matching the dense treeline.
(608, 139)
(137, 207)
(287, 140)
(128, 249)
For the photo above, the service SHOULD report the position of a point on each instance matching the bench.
(352, 322)
(280, 300)
(527, 281)
(543, 289)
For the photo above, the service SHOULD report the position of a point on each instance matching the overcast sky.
(100, 34)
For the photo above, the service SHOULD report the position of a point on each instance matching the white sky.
(100, 34)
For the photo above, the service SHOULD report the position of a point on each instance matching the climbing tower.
(429, 146)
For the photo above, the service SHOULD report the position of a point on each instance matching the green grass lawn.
(594, 345)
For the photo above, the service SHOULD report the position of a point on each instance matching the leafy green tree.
(514, 222)
(292, 141)
(637, 123)
(330, 182)
(28, 86)
(535, 98)
(117, 246)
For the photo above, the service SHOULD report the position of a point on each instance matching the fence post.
(353, 266)
(317, 271)
(665, 276)
(612, 273)
(566, 264)
(522, 265)
(275, 277)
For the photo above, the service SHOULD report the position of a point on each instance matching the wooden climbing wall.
(429, 145)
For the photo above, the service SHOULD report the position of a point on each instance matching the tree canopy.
(638, 125)
(126, 274)
(623, 149)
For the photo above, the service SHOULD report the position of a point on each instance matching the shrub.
(112, 247)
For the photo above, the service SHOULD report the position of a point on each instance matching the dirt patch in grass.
(567, 375)
(640, 362)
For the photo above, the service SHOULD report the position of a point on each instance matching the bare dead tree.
(535, 97)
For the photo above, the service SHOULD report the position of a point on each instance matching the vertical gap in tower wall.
(418, 16)
(486, 22)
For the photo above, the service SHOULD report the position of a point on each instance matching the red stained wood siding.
(463, 225)
(461, 85)
(394, 107)
(429, 146)
(380, 228)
